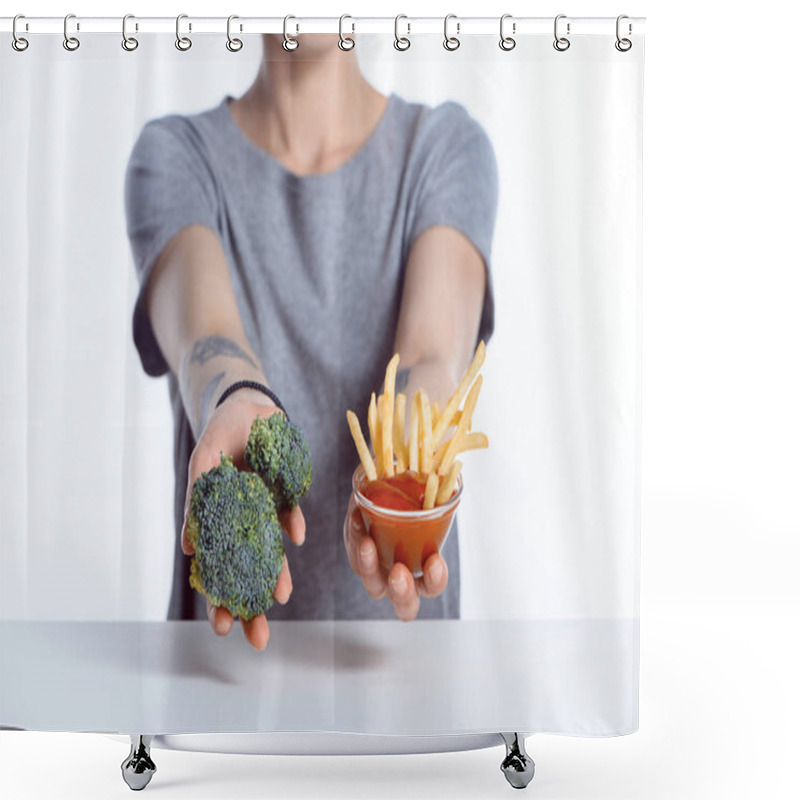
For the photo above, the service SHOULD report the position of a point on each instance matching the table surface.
(427, 677)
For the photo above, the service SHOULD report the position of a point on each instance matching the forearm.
(208, 366)
(196, 321)
(435, 375)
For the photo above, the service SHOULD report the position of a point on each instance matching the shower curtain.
(526, 151)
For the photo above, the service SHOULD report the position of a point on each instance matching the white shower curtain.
(547, 638)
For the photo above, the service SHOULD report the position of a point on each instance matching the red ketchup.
(403, 492)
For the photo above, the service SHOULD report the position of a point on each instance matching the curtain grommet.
(401, 43)
(183, 43)
(129, 43)
(71, 43)
(290, 43)
(233, 44)
(561, 43)
(623, 44)
(346, 43)
(507, 42)
(451, 43)
(19, 43)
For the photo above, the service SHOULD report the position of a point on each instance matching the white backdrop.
(549, 528)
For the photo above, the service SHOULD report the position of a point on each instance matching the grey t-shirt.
(317, 265)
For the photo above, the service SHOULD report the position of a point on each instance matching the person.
(296, 237)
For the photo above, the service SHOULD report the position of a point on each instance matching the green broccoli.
(278, 452)
(234, 528)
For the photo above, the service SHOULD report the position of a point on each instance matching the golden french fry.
(474, 441)
(426, 445)
(464, 423)
(454, 402)
(438, 456)
(378, 443)
(469, 441)
(361, 446)
(372, 422)
(431, 488)
(448, 484)
(435, 413)
(413, 435)
(387, 419)
(400, 433)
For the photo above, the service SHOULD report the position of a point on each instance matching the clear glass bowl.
(406, 536)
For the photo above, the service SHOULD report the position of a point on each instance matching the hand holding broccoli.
(233, 518)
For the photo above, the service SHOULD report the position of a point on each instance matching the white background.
(720, 529)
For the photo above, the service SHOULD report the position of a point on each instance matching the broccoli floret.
(278, 452)
(233, 525)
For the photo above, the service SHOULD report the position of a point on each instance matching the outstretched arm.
(439, 320)
(195, 318)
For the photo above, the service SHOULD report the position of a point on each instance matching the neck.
(310, 112)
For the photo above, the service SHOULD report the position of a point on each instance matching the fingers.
(362, 553)
(403, 593)
(283, 588)
(369, 568)
(220, 618)
(257, 631)
(294, 523)
(434, 577)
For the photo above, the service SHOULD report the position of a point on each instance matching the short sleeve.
(167, 187)
(459, 188)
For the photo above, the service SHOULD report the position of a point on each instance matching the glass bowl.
(409, 537)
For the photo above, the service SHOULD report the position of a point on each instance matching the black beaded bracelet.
(251, 385)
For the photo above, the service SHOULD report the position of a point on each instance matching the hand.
(227, 430)
(402, 588)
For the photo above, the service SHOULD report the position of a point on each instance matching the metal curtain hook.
(346, 42)
(623, 45)
(451, 42)
(183, 43)
(506, 42)
(234, 45)
(19, 43)
(70, 42)
(401, 42)
(561, 43)
(129, 43)
(289, 42)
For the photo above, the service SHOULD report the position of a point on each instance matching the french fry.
(378, 443)
(464, 423)
(361, 446)
(448, 484)
(474, 441)
(435, 413)
(426, 445)
(431, 488)
(387, 418)
(469, 441)
(413, 435)
(454, 402)
(400, 433)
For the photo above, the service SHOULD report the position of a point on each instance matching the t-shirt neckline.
(271, 161)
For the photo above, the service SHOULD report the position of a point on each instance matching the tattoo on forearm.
(205, 402)
(210, 346)
(401, 379)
